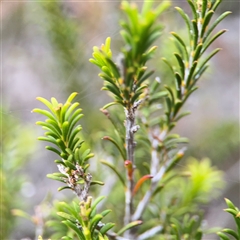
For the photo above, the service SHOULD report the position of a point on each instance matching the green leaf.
(48, 139)
(94, 221)
(75, 229)
(109, 104)
(66, 216)
(71, 109)
(211, 40)
(20, 213)
(65, 129)
(181, 116)
(206, 21)
(60, 179)
(169, 65)
(157, 96)
(181, 64)
(97, 182)
(230, 204)
(115, 170)
(204, 9)
(117, 146)
(50, 148)
(185, 18)
(193, 8)
(73, 135)
(216, 22)
(144, 77)
(214, 52)
(174, 161)
(191, 73)
(194, 33)
(216, 4)
(182, 43)
(71, 97)
(106, 228)
(114, 68)
(162, 7)
(197, 52)
(128, 226)
(231, 232)
(175, 230)
(223, 236)
(47, 103)
(178, 83)
(45, 113)
(64, 187)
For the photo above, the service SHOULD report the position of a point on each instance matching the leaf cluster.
(63, 131)
(227, 232)
(125, 80)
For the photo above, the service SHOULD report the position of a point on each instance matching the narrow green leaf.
(230, 204)
(197, 52)
(185, 18)
(73, 135)
(47, 103)
(169, 65)
(75, 229)
(182, 43)
(231, 232)
(97, 182)
(177, 106)
(215, 5)
(50, 148)
(162, 7)
(106, 228)
(194, 34)
(204, 9)
(171, 102)
(178, 83)
(193, 8)
(65, 129)
(181, 116)
(44, 112)
(216, 22)
(109, 104)
(211, 40)
(223, 236)
(94, 221)
(175, 230)
(71, 110)
(66, 216)
(115, 170)
(117, 146)
(128, 226)
(190, 75)
(20, 213)
(114, 68)
(48, 139)
(181, 64)
(71, 97)
(206, 21)
(96, 201)
(214, 52)
(174, 161)
(144, 77)
(60, 179)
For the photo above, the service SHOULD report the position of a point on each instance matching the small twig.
(131, 129)
(150, 233)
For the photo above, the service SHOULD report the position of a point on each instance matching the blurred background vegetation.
(45, 52)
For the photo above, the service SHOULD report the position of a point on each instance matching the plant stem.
(131, 129)
(130, 145)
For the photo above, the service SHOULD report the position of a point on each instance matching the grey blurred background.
(45, 52)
